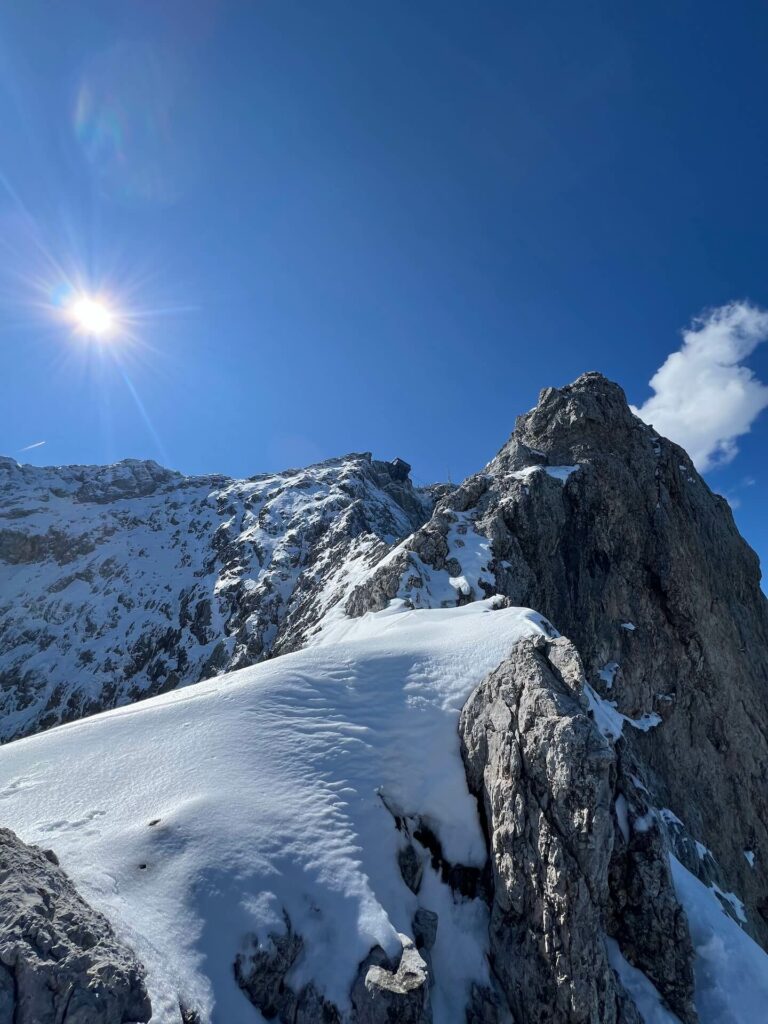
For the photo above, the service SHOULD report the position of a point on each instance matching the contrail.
(36, 444)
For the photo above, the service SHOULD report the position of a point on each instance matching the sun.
(92, 316)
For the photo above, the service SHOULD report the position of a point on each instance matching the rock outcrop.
(546, 781)
(606, 528)
(60, 961)
(386, 991)
(593, 759)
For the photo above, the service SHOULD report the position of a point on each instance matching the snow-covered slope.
(123, 581)
(204, 820)
(199, 817)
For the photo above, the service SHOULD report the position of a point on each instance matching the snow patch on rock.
(731, 969)
(610, 721)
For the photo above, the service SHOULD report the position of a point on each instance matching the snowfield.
(194, 818)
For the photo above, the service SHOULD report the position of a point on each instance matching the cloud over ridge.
(704, 399)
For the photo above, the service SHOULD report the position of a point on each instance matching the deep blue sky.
(363, 225)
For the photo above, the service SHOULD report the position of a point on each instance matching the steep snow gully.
(324, 764)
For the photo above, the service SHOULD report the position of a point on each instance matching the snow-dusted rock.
(262, 970)
(124, 581)
(619, 805)
(60, 962)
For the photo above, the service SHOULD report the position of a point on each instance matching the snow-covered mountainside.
(423, 802)
(254, 837)
(123, 581)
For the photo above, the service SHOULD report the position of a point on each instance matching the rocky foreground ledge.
(60, 961)
(579, 868)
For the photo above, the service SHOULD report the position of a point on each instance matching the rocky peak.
(572, 423)
(129, 478)
(603, 764)
(606, 528)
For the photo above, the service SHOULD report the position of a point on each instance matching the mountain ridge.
(163, 579)
(582, 617)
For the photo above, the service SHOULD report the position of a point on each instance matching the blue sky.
(348, 226)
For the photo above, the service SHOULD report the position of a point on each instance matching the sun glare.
(92, 316)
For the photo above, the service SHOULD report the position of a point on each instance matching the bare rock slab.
(60, 960)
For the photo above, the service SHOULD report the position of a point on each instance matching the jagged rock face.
(261, 971)
(120, 582)
(644, 915)
(587, 515)
(546, 779)
(60, 962)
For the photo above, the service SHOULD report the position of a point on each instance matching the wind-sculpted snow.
(120, 582)
(201, 817)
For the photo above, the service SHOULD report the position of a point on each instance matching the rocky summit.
(479, 754)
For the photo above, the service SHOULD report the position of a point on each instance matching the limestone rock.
(485, 1007)
(388, 993)
(593, 519)
(261, 972)
(644, 915)
(545, 778)
(60, 961)
(425, 928)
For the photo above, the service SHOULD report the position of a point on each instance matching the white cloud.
(36, 444)
(703, 398)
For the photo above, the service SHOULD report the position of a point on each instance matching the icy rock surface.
(60, 962)
(120, 582)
